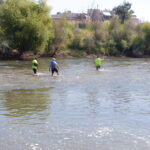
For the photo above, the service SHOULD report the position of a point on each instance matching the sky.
(140, 7)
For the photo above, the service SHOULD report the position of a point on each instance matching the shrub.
(22, 26)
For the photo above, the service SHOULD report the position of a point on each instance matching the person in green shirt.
(34, 65)
(98, 62)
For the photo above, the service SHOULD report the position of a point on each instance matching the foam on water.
(104, 70)
(42, 74)
(101, 132)
(145, 63)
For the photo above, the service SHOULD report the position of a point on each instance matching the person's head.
(97, 56)
(53, 59)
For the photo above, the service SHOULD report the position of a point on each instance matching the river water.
(82, 109)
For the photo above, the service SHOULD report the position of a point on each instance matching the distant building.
(95, 15)
(71, 16)
(1, 1)
(134, 20)
(92, 15)
(107, 14)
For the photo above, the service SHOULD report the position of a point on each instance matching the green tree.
(62, 36)
(26, 24)
(119, 37)
(100, 35)
(78, 37)
(146, 37)
(124, 11)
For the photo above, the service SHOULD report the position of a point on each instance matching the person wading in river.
(53, 66)
(34, 65)
(98, 62)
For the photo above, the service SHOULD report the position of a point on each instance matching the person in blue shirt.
(53, 66)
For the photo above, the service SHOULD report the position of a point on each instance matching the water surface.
(82, 109)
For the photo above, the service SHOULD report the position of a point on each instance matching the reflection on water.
(24, 102)
(82, 109)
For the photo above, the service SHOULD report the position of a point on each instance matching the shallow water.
(82, 109)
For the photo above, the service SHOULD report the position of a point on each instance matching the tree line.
(27, 26)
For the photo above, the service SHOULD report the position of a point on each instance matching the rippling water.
(82, 109)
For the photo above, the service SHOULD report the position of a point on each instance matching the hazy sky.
(140, 7)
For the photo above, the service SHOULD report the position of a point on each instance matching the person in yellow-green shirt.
(98, 62)
(34, 65)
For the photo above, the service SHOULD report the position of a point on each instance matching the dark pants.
(35, 71)
(98, 67)
(54, 70)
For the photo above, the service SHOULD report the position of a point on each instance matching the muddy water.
(82, 109)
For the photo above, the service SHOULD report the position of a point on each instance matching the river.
(82, 109)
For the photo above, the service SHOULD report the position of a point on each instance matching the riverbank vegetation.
(26, 26)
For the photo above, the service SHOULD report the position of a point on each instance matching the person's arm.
(49, 67)
(57, 66)
(103, 58)
(37, 65)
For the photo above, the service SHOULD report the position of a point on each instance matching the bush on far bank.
(26, 24)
